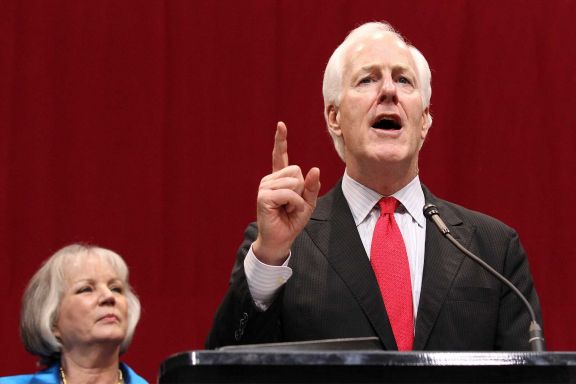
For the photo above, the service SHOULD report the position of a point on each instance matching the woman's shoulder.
(51, 375)
(46, 376)
(131, 376)
(15, 379)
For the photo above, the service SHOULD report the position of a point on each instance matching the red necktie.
(390, 263)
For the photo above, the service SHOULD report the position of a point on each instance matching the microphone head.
(430, 210)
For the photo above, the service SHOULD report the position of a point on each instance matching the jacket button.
(243, 320)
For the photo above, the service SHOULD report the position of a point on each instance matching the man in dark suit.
(308, 270)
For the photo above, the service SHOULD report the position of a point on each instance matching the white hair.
(333, 74)
(42, 298)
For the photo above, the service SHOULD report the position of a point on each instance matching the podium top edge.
(351, 357)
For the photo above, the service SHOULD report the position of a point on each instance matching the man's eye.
(366, 80)
(404, 80)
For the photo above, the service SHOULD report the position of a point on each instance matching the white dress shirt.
(264, 280)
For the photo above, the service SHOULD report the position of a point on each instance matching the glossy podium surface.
(349, 366)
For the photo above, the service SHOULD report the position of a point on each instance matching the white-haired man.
(361, 261)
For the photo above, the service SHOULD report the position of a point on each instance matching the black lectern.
(280, 365)
(361, 360)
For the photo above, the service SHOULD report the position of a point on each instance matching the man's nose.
(388, 92)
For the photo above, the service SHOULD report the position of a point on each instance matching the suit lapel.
(441, 264)
(333, 230)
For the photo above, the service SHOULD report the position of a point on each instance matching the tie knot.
(388, 205)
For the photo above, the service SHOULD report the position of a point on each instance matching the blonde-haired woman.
(79, 314)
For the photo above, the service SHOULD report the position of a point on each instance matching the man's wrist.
(264, 280)
(274, 256)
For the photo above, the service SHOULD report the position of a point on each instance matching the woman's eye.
(84, 289)
(117, 289)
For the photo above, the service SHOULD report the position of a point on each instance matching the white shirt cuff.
(264, 280)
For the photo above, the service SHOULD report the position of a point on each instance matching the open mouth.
(387, 123)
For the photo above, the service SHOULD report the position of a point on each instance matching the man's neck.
(386, 180)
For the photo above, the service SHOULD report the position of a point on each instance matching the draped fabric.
(133, 124)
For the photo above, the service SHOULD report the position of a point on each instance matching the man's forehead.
(380, 38)
(369, 50)
(387, 41)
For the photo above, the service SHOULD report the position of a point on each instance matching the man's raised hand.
(285, 203)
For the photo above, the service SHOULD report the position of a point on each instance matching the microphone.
(536, 340)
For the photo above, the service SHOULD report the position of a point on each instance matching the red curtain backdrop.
(146, 126)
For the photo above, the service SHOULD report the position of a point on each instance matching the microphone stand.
(536, 340)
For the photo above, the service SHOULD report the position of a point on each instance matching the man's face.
(381, 117)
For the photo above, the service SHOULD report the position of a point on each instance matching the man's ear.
(333, 119)
(427, 122)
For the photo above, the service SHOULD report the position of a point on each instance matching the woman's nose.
(107, 297)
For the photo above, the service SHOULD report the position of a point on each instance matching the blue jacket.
(51, 375)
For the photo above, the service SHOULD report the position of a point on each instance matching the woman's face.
(93, 309)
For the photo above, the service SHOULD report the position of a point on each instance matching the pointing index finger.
(280, 151)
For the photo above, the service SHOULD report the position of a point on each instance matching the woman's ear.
(56, 333)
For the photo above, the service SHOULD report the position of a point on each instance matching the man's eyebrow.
(369, 68)
(395, 67)
(404, 68)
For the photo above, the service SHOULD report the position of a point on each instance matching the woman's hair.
(42, 298)
(333, 74)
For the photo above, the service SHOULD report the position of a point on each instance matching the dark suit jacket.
(333, 292)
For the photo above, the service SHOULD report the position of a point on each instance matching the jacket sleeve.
(514, 318)
(238, 320)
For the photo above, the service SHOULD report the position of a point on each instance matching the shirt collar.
(362, 199)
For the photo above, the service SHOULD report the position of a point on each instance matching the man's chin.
(391, 156)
